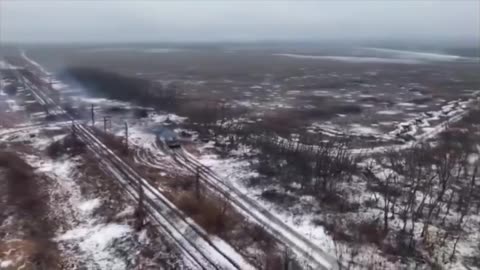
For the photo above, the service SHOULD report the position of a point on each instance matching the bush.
(370, 232)
(113, 142)
(55, 149)
(69, 145)
(210, 214)
(10, 89)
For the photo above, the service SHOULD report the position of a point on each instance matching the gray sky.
(127, 21)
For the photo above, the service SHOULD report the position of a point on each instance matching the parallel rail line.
(201, 251)
(317, 258)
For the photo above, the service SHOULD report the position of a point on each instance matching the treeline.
(203, 114)
(116, 86)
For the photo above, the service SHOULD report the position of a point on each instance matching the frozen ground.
(353, 59)
(83, 237)
(402, 97)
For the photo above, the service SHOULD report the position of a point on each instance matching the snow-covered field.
(353, 59)
(387, 56)
(94, 229)
(394, 114)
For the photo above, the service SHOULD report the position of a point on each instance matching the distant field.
(365, 90)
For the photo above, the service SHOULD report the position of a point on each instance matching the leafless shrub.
(261, 236)
(112, 141)
(208, 213)
(70, 145)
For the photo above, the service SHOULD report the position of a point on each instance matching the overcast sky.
(127, 21)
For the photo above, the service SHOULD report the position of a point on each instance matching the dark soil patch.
(279, 198)
(422, 100)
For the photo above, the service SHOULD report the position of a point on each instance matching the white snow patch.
(231, 253)
(427, 56)
(96, 241)
(388, 112)
(353, 59)
(103, 101)
(473, 158)
(356, 128)
(406, 104)
(89, 206)
(128, 211)
(13, 106)
(159, 118)
(6, 264)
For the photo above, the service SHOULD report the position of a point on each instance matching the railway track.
(316, 257)
(193, 241)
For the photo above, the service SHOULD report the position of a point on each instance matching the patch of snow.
(473, 158)
(89, 206)
(162, 50)
(293, 92)
(320, 93)
(231, 253)
(241, 150)
(406, 104)
(353, 59)
(356, 128)
(128, 211)
(427, 56)
(143, 236)
(388, 112)
(13, 106)
(97, 241)
(159, 118)
(6, 264)
(103, 101)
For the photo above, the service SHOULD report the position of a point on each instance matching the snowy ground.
(92, 222)
(94, 227)
(398, 116)
(306, 212)
(90, 239)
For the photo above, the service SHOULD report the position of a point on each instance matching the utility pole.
(73, 131)
(93, 117)
(286, 260)
(197, 183)
(126, 137)
(106, 120)
(140, 211)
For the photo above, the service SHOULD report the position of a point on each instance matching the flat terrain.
(368, 156)
(308, 93)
